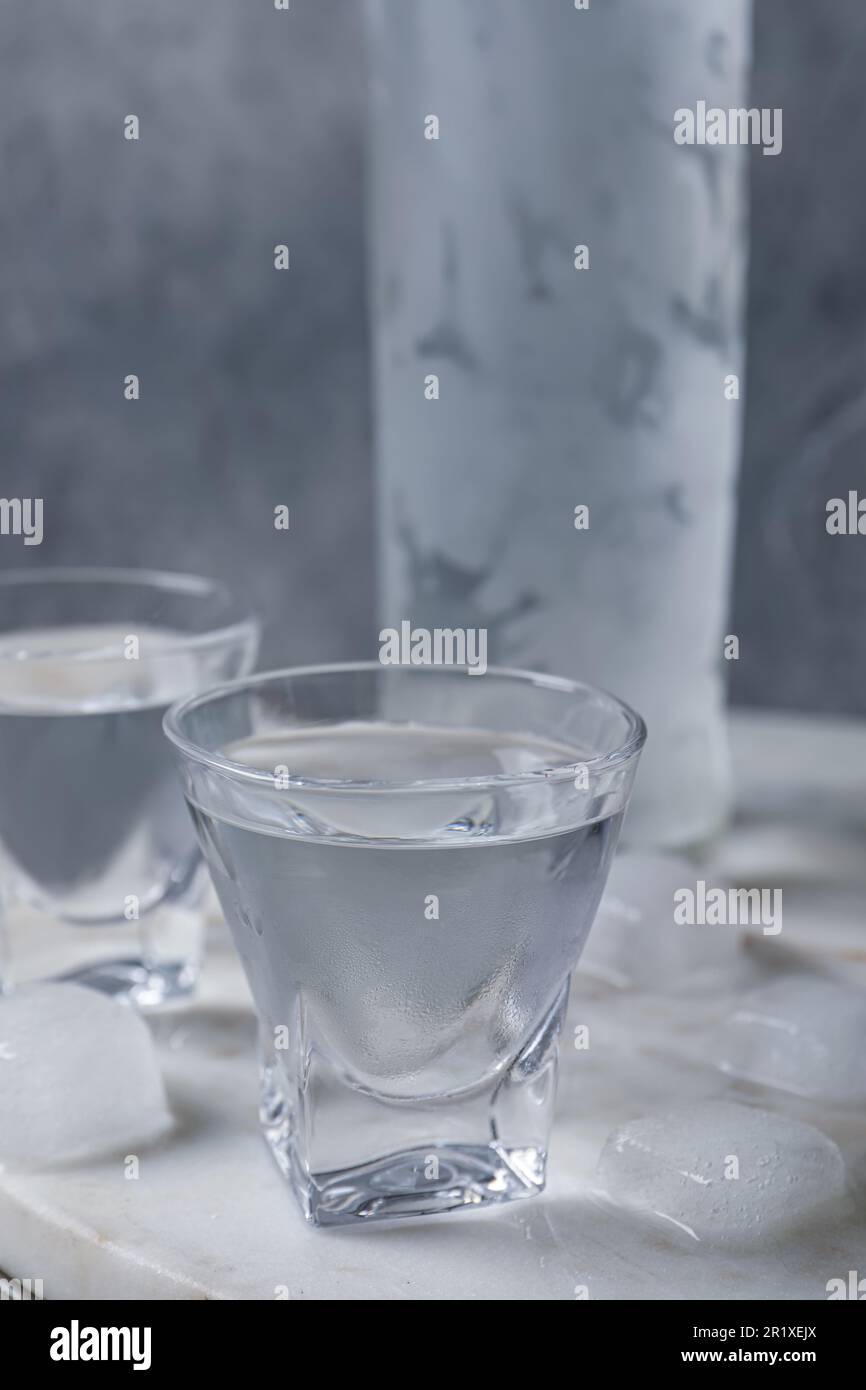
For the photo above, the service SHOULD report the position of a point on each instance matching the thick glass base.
(417, 1183)
(144, 985)
(353, 1156)
(149, 962)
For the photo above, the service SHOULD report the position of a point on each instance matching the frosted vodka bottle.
(514, 387)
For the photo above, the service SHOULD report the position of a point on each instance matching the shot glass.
(99, 864)
(409, 860)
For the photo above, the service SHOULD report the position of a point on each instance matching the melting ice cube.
(722, 1171)
(800, 1034)
(78, 1076)
(637, 942)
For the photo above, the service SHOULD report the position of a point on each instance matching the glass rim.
(621, 754)
(191, 585)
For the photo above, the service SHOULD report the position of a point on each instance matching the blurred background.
(156, 258)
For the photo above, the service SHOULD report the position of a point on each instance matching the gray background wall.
(156, 258)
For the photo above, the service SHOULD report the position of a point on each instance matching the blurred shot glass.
(99, 868)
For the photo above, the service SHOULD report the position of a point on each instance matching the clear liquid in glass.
(93, 833)
(409, 956)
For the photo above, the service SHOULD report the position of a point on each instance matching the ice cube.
(721, 1171)
(636, 941)
(801, 1034)
(79, 1076)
